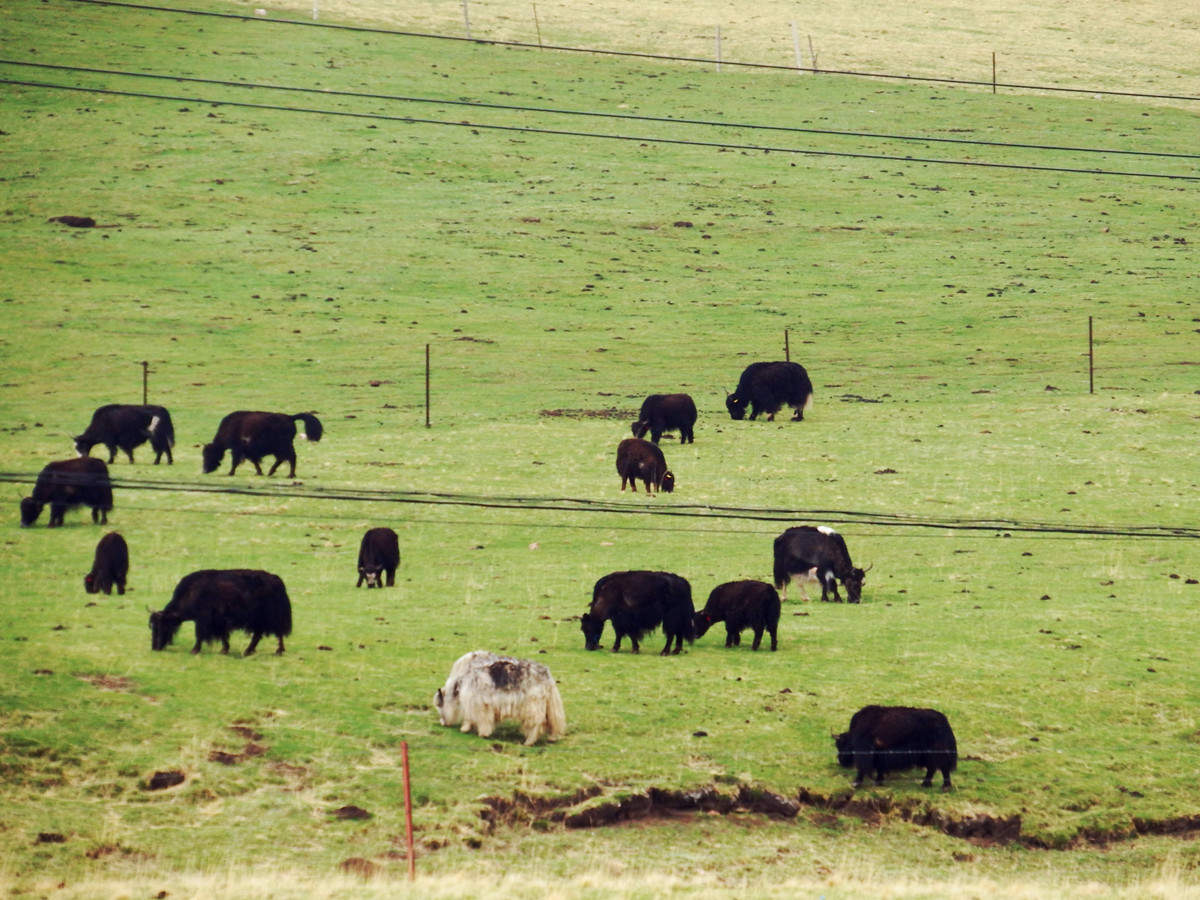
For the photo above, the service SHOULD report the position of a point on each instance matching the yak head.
(854, 584)
(84, 445)
(212, 455)
(701, 622)
(736, 406)
(373, 575)
(639, 428)
(162, 629)
(592, 627)
(842, 742)
(89, 584)
(449, 712)
(30, 510)
(668, 482)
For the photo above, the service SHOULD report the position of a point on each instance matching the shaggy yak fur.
(817, 554)
(741, 605)
(223, 600)
(641, 459)
(379, 552)
(110, 566)
(123, 427)
(666, 412)
(69, 483)
(766, 386)
(892, 738)
(253, 435)
(636, 603)
(484, 689)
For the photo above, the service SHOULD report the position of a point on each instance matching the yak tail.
(556, 717)
(807, 402)
(161, 426)
(312, 426)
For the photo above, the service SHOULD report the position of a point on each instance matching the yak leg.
(129, 453)
(279, 649)
(253, 643)
(391, 579)
(757, 638)
(946, 785)
(774, 642)
(617, 643)
(487, 726)
(731, 636)
(535, 732)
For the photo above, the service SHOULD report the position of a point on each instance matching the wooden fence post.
(427, 386)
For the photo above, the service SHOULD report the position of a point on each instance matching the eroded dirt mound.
(575, 811)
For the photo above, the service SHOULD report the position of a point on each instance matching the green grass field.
(1033, 551)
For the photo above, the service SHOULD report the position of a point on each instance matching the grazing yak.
(68, 483)
(741, 605)
(378, 552)
(484, 689)
(223, 600)
(766, 386)
(110, 567)
(666, 412)
(122, 427)
(638, 602)
(817, 554)
(892, 738)
(641, 459)
(253, 435)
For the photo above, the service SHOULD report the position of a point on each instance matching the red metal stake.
(408, 829)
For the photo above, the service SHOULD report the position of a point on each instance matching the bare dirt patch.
(573, 811)
(588, 413)
(108, 682)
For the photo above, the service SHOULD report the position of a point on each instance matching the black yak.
(253, 435)
(379, 552)
(68, 483)
(666, 412)
(741, 605)
(641, 459)
(766, 386)
(110, 566)
(121, 427)
(636, 603)
(818, 554)
(223, 600)
(892, 738)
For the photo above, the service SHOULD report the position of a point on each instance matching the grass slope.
(283, 260)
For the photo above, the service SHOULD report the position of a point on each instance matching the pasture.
(1033, 545)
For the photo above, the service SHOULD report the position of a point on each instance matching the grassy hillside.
(1029, 574)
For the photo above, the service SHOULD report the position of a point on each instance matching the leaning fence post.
(145, 382)
(796, 46)
(1091, 361)
(408, 826)
(718, 48)
(466, 19)
(426, 385)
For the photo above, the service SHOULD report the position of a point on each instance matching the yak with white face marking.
(484, 689)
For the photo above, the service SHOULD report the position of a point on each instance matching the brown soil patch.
(655, 803)
(108, 682)
(162, 780)
(350, 812)
(589, 413)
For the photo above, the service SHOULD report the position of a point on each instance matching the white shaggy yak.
(483, 689)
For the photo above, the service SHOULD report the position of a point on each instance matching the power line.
(605, 507)
(708, 123)
(523, 129)
(636, 55)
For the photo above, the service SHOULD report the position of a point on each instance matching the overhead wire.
(641, 139)
(635, 54)
(576, 505)
(620, 116)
